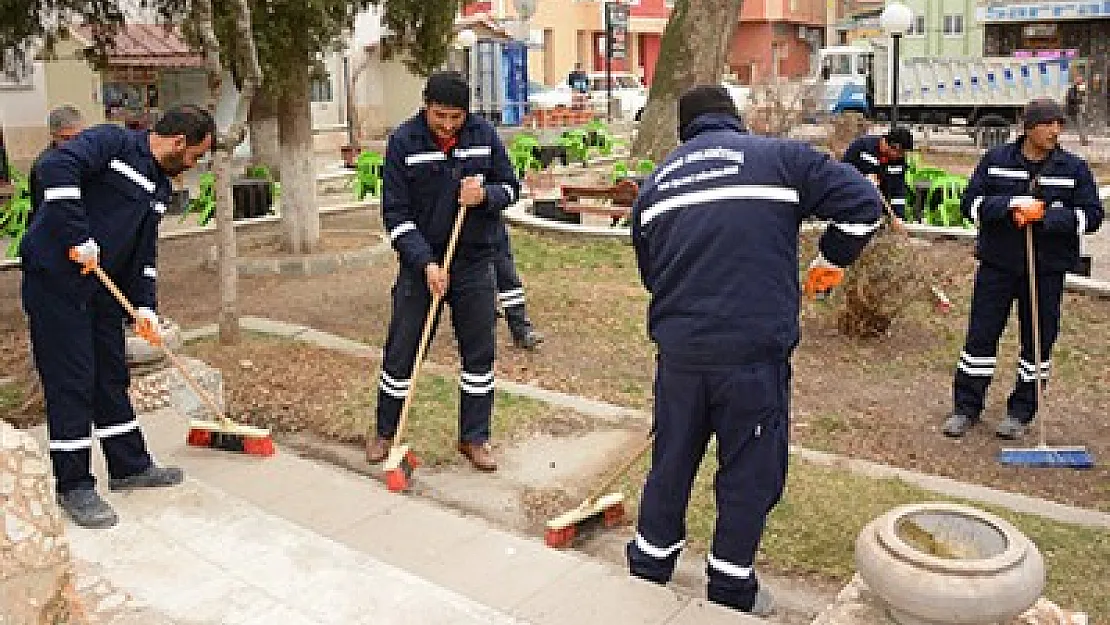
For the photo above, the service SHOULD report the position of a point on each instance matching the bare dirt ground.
(882, 400)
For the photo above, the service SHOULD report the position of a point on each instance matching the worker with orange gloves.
(102, 196)
(1029, 183)
(715, 230)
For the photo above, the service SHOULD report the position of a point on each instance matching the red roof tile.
(146, 45)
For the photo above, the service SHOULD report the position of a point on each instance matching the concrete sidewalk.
(286, 540)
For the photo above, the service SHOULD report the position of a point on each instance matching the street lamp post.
(896, 20)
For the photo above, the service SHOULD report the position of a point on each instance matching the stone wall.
(35, 569)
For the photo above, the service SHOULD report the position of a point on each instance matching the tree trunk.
(693, 52)
(265, 144)
(224, 147)
(300, 217)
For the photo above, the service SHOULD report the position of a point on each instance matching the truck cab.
(843, 78)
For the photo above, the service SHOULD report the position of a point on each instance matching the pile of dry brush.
(890, 274)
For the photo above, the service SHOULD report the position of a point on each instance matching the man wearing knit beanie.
(441, 159)
(1031, 185)
(715, 230)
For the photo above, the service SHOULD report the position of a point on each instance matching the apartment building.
(774, 37)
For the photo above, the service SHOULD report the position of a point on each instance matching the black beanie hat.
(704, 99)
(1042, 111)
(447, 88)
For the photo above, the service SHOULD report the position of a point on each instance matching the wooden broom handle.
(429, 322)
(612, 478)
(1035, 322)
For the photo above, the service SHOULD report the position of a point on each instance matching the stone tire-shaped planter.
(142, 354)
(934, 563)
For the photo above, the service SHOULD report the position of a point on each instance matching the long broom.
(598, 508)
(1042, 455)
(223, 433)
(401, 461)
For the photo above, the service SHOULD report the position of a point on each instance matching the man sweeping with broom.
(103, 194)
(1034, 184)
(436, 161)
(715, 230)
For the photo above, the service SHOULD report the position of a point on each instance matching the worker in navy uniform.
(510, 295)
(442, 158)
(64, 123)
(1029, 183)
(715, 230)
(883, 161)
(103, 194)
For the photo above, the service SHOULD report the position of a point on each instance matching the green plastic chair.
(16, 212)
(620, 170)
(574, 142)
(368, 178)
(522, 153)
(204, 204)
(944, 210)
(645, 166)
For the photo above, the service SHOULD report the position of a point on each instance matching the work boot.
(377, 449)
(480, 455)
(530, 339)
(1011, 428)
(153, 477)
(87, 509)
(957, 425)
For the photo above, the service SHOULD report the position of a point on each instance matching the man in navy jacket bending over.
(715, 230)
(102, 196)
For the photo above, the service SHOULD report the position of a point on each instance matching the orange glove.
(86, 254)
(146, 326)
(822, 277)
(1025, 214)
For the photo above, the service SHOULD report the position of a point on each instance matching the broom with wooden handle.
(221, 433)
(401, 462)
(598, 506)
(1042, 455)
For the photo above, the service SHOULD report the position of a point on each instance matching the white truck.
(986, 94)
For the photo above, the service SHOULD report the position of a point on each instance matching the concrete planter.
(141, 353)
(936, 563)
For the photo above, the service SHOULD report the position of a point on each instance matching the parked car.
(544, 97)
(628, 91)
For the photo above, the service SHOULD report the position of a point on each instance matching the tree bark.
(224, 149)
(265, 144)
(300, 217)
(693, 52)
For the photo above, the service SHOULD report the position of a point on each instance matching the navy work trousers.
(470, 296)
(746, 407)
(78, 347)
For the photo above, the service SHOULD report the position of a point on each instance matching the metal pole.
(894, 82)
(608, 63)
(347, 100)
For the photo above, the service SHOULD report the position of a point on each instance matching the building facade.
(777, 39)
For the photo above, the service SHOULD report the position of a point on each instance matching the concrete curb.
(318, 264)
(610, 412)
(14, 263)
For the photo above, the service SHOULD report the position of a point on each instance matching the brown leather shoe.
(377, 449)
(480, 455)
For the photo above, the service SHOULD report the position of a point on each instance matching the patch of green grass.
(813, 530)
(433, 422)
(11, 397)
(534, 253)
